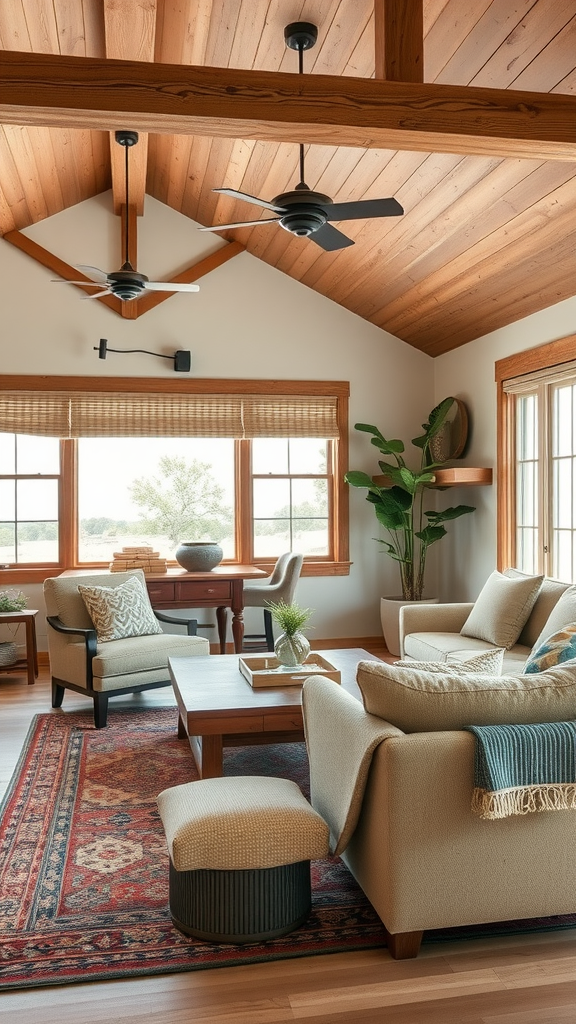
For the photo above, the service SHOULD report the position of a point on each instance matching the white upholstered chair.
(81, 662)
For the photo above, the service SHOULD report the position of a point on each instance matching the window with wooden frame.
(537, 460)
(151, 461)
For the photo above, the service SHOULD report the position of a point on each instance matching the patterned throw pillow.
(489, 663)
(122, 611)
(556, 650)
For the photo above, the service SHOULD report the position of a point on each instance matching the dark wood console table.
(221, 588)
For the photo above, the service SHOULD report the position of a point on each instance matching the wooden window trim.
(338, 566)
(542, 357)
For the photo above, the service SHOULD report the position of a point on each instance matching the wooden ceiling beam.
(85, 92)
(399, 40)
(130, 33)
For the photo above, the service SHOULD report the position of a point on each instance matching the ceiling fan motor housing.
(127, 284)
(305, 213)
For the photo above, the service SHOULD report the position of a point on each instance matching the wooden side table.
(28, 617)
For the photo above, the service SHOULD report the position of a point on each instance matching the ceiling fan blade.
(167, 286)
(85, 284)
(241, 224)
(363, 208)
(330, 238)
(248, 199)
(99, 275)
(96, 295)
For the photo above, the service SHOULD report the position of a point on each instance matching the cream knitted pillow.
(488, 662)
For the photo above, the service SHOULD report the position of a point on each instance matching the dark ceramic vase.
(199, 555)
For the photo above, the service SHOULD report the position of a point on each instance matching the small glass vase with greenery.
(292, 647)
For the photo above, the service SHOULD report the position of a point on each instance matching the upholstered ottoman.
(240, 851)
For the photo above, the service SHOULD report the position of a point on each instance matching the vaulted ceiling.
(489, 230)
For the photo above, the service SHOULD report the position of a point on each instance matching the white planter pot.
(390, 619)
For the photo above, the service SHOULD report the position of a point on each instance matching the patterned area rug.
(84, 865)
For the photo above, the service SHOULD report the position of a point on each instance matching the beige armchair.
(78, 661)
(398, 805)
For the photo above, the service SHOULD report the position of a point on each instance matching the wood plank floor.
(529, 979)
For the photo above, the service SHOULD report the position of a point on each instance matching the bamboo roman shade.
(68, 414)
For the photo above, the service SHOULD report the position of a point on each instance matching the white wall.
(469, 553)
(248, 320)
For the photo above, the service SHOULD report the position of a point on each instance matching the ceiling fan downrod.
(126, 139)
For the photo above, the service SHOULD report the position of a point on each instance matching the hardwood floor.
(529, 979)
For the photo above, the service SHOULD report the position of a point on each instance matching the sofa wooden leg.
(404, 945)
(100, 710)
(57, 695)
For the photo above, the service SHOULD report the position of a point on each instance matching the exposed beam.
(58, 266)
(399, 40)
(136, 307)
(191, 274)
(87, 92)
(130, 31)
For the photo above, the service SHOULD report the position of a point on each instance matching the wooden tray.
(262, 670)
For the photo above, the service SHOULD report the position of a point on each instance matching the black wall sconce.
(181, 359)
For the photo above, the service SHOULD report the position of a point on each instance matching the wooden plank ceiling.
(484, 240)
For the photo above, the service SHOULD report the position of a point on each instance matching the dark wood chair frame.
(101, 698)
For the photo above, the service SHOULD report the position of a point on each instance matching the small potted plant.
(12, 601)
(292, 647)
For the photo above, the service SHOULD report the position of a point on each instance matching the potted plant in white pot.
(398, 500)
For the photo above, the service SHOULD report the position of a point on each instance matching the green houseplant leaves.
(398, 500)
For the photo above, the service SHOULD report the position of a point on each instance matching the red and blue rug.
(84, 864)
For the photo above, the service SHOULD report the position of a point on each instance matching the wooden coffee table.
(218, 708)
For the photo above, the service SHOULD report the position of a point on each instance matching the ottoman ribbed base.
(240, 906)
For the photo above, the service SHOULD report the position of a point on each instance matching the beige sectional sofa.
(393, 775)
(431, 632)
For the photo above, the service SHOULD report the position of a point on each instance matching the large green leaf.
(435, 421)
(430, 534)
(390, 507)
(448, 513)
(358, 479)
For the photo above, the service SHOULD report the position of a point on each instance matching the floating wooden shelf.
(462, 476)
(458, 476)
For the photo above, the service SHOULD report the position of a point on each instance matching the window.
(537, 461)
(258, 466)
(29, 486)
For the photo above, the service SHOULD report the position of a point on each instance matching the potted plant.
(398, 500)
(292, 647)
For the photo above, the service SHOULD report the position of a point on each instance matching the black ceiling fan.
(126, 283)
(302, 211)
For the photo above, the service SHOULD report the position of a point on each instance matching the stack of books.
(143, 557)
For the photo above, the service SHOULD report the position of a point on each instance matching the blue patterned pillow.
(556, 650)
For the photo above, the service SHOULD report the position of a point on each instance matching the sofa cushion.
(120, 612)
(431, 701)
(562, 614)
(556, 650)
(488, 662)
(548, 596)
(502, 608)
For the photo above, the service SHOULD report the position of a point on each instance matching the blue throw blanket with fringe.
(523, 768)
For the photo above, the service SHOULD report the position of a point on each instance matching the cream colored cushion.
(238, 823)
(119, 612)
(502, 608)
(431, 701)
(562, 614)
(548, 596)
(488, 662)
